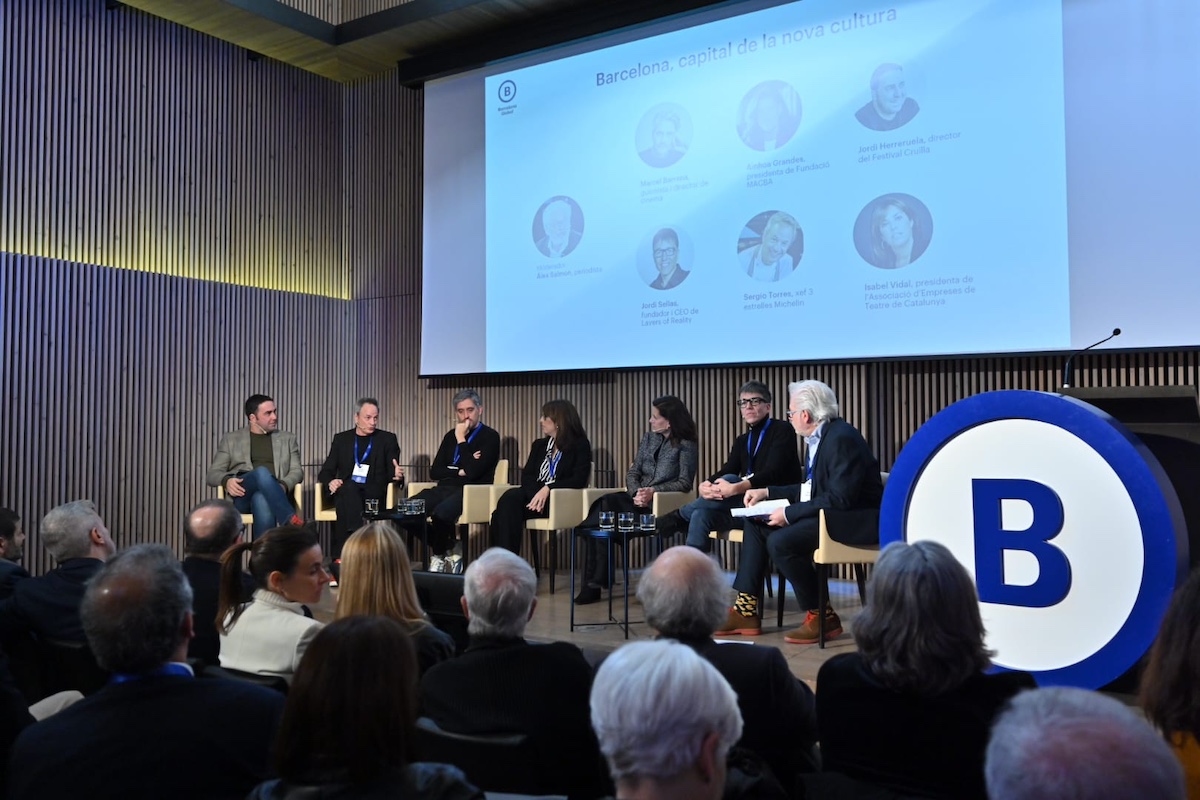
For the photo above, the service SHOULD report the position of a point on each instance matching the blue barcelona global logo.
(1069, 525)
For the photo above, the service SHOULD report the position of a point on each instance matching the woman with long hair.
(912, 709)
(269, 635)
(895, 234)
(349, 726)
(562, 458)
(1170, 690)
(376, 579)
(665, 462)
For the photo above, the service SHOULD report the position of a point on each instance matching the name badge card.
(360, 473)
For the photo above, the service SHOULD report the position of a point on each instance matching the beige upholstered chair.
(326, 513)
(478, 501)
(297, 502)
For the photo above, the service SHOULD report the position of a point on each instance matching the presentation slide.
(815, 180)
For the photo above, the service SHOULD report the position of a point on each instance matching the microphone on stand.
(1067, 367)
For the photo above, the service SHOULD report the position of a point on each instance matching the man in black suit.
(468, 454)
(48, 605)
(141, 735)
(841, 477)
(685, 596)
(361, 463)
(209, 529)
(503, 684)
(12, 547)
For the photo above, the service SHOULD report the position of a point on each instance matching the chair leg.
(822, 601)
(782, 598)
(552, 567)
(625, 577)
(574, 537)
(533, 551)
(860, 572)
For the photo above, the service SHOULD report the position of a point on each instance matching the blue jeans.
(703, 516)
(265, 499)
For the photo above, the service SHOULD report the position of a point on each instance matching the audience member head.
(814, 397)
(1170, 690)
(285, 560)
(12, 535)
(920, 630)
(499, 591)
(211, 528)
(568, 428)
(352, 706)
(137, 610)
(75, 530)
(684, 594)
(1063, 742)
(682, 426)
(376, 578)
(665, 719)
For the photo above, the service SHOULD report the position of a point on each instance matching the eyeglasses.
(667, 252)
(753, 402)
(791, 414)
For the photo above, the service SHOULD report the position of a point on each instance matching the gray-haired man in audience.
(1062, 742)
(666, 720)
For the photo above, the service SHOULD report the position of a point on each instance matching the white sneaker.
(454, 564)
(437, 564)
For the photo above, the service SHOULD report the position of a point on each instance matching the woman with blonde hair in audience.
(911, 711)
(349, 726)
(376, 579)
(268, 635)
(1170, 690)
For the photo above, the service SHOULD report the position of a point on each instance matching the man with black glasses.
(766, 455)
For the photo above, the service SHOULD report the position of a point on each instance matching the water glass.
(625, 521)
(606, 520)
(372, 508)
(646, 522)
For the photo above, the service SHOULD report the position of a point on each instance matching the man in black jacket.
(209, 529)
(12, 547)
(841, 477)
(361, 463)
(763, 456)
(468, 454)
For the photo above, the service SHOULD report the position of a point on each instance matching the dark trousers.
(791, 548)
(595, 551)
(508, 520)
(444, 504)
(348, 502)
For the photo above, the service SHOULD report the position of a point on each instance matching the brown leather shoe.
(737, 625)
(810, 633)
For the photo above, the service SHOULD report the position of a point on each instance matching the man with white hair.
(685, 596)
(841, 478)
(1066, 742)
(666, 720)
(48, 605)
(503, 684)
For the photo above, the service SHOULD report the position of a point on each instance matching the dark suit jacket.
(779, 716)
(775, 459)
(340, 461)
(205, 577)
(677, 277)
(160, 736)
(510, 686)
(572, 471)
(927, 746)
(10, 573)
(478, 470)
(845, 482)
(48, 605)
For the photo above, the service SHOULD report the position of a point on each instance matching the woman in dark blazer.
(665, 462)
(561, 459)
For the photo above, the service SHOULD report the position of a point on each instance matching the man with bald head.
(686, 597)
(142, 734)
(210, 528)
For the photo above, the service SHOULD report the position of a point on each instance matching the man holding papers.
(842, 477)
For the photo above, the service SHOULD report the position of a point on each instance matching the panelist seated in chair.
(349, 725)
(361, 463)
(268, 635)
(841, 475)
(503, 684)
(259, 466)
(467, 455)
(561, 459)
(665, 462)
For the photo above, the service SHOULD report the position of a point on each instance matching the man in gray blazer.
(259, 466)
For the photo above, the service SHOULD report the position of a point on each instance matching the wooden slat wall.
(152, 179)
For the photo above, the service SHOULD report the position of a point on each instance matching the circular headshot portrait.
(768, 116)
(665, 257)
(770, 246)
(663, 135)
(890, 106)
(557, 226)
(893, 231)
